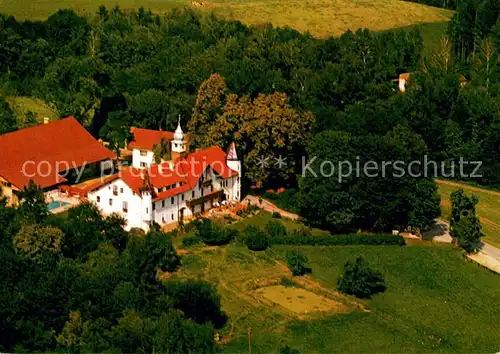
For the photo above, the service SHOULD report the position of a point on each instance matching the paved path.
(270, 207)
(488, 256)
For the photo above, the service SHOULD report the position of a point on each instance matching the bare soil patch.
(299, 300)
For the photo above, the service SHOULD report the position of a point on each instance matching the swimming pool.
(56, 204)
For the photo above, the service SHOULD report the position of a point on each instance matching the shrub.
(198, 300)
(212, 234)
(287, 282)
(359, 280)
(341, 240)
(297, 262)
(256, 239)
(276, 215)
(285, 199)
(191, 241)
(275, 228)
(303, 231)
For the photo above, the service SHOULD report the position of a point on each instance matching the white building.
(172, 190)
(145, 140)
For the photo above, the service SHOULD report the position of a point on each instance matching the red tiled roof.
(187, 170)
(147, 138)
(404, 76)
(46, 150)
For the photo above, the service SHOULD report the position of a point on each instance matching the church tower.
(178, 143)
(234, 164)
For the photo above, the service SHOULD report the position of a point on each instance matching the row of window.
(115, 190)
(110, 202)
(163, 220)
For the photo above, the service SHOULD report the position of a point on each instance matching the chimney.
(46, 120)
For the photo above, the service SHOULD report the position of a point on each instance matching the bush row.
(368, 239)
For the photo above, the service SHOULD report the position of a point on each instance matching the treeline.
(152, 66)
(83, 284)
(475, 30)
(278, 93)
(446, 4)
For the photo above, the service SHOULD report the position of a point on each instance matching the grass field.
(487, 209)
(22, 105)
(319, 17)
(435, 301)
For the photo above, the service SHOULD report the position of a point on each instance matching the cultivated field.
(430, 286)
(487, 209)
(319, 17)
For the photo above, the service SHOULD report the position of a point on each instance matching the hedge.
(368, 239)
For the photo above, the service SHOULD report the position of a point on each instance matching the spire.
(231, 153)
(179, 134)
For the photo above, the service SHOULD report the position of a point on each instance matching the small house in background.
(403, 79)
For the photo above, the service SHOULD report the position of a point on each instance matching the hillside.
(306, 313)
(320, 17)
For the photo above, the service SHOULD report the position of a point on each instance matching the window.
(143, 164)
(163, 204)
(144, 153)
(163, 219)
(115, 190)
(110, 201)
(121, 190)
(172, 216)
(154, 206)
(192, 194)
(125, 207)
(98, 199)
(172, 200)
(147, 210)
(182, 197)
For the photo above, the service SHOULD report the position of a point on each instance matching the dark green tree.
(360, 280)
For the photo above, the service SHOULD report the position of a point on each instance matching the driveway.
(488, 256)
(270, 207)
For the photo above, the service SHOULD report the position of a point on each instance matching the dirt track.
(468, 187)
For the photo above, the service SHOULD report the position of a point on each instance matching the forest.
(230, 82)
(83, 284)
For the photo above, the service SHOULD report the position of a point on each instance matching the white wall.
(135, 213)
(137, 158)
(138, 207)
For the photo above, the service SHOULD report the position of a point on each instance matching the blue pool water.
(56, 204)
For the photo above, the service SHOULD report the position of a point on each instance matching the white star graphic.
(262, 162)
(280, 161)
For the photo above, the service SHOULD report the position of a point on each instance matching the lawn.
(487, 209)
(264, 217)
(436, 301)
(22, 105)
(319, 17)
